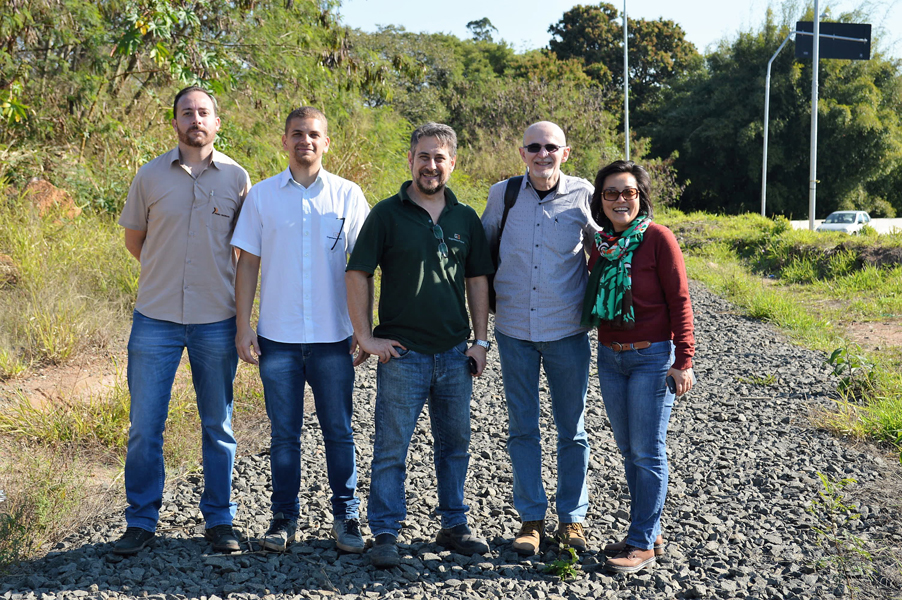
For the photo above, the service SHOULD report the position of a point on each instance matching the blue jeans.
(329, 369)
(154, 351)
(638, 404)
(566, 363)
(403, 386)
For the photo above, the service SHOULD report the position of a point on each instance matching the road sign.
(830, 47)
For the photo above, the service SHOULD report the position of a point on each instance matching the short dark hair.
(188, 90)
(643, 181)
(444, 133)
(306, 112)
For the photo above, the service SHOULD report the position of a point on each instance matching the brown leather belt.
(620, 347)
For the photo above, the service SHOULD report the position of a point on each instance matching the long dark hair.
(643, 181)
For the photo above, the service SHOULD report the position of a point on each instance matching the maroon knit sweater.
(660, 296)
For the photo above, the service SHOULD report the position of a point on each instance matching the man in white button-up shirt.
(300, 226)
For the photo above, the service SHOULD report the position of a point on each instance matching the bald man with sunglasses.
(539, 284)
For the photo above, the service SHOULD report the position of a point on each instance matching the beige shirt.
(187, 264)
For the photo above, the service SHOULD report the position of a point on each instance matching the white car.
(846, 221)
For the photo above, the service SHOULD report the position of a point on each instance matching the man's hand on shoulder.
(247, 345)
(380, 347)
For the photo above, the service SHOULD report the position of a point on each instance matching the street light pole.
(812, 170)
(626, 86)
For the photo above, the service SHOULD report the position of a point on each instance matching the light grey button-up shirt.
(542, 274)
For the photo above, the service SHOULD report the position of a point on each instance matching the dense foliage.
(715, 121)
(86, 86)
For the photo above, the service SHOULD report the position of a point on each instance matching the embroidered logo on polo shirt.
(219, 214)
(456, 238)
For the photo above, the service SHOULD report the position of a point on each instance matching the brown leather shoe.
(617, 547)
(530, 536)
(632, 559)
(572, 534)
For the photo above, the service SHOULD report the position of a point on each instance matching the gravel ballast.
(744, 463)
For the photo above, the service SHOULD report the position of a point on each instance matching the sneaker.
(462, 540)
(531, 535)
(618, 547)
(133, 541)
(281, 532)
(384, 553)
(223, 538)
(347, 535)
(632, 559)
(571, 534)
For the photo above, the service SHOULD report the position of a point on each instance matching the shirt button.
(190, 233)
(536, 267)
(188, 261)
(306, 254)
(306, 233)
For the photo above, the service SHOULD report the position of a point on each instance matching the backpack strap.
(510, 198)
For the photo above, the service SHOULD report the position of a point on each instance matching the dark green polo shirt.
(422, 300)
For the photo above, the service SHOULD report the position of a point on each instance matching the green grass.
(810, 285)
(75, 287)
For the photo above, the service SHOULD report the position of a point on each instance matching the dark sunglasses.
(440, 236)
(611, 195)
(536, 148)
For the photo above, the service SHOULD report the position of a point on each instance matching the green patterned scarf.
(609, 295)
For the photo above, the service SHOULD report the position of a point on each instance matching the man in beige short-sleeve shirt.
(178, 219)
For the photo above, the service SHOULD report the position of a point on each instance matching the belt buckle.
(616, 346)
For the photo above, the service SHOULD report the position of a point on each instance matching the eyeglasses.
(440, 236)
(536, 148)
(611, 195)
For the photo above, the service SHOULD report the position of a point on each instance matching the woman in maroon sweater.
(638, 297)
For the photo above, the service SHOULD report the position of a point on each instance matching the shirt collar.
(450, 198)
(175, 156)
(285, 178)
(561, 185)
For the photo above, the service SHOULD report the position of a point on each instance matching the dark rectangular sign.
(831, 48)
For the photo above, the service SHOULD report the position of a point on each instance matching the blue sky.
(524, 23)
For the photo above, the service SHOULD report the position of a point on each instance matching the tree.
(659, 53)
(482, 29)
(715, 122)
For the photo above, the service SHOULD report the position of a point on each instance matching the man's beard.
(188, 139)
(429, 190)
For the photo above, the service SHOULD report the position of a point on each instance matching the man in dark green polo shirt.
(434, 258)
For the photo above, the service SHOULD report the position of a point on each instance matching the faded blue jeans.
(329, 369)
(403, 386)
(154, 351)
(638, 404)
(566, 364)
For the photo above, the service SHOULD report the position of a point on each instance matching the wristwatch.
(483, 344)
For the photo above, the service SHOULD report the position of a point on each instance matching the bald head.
(544, 165)
(547, 130)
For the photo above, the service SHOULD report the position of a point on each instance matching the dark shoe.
(281, 532)
(462, 540)
(530, 536)
(384, 553)
(347, 535)
(632, 559)
(133, 541)
(618, 547)
(571, 534)
(223, 538)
